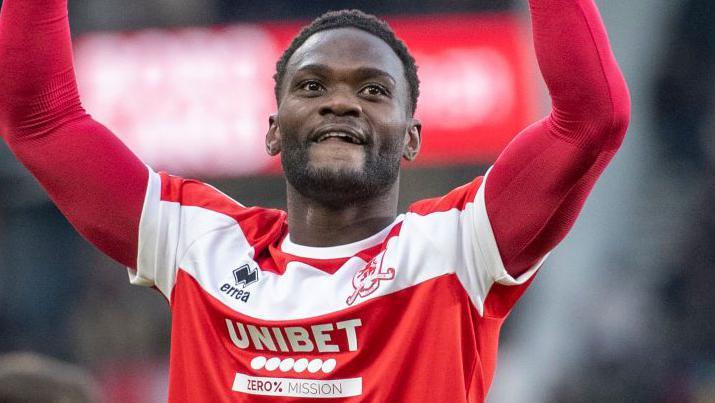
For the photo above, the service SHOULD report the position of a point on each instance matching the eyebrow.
(363, 71)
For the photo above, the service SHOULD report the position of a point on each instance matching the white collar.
(338, 251)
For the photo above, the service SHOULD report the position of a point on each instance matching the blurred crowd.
(95, 15)
(674, 361)
(60, 297)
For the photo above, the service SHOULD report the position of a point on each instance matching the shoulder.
(204, 200)
(459, 198)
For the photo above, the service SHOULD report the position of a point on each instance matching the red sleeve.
(91, 176)
(540, 182)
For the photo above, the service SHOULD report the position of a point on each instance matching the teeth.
(341, 135)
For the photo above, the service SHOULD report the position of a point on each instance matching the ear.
(413, 140)
(273, 136)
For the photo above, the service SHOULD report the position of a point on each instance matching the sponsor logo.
(235, 293)
(367, 280)
(323, 337)
(292, 387)
(242, 277)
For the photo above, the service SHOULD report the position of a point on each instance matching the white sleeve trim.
(487, 244)
(156, 257)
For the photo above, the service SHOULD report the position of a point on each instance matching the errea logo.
(245, 276)
(242, 277)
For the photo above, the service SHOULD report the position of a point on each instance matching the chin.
(341, 177)
(339, 168)
(336, 186)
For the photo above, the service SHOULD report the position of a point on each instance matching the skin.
(343, 80)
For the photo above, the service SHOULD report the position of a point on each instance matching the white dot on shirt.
(273, 363)
(286, 364)
(315, 365)
(300, 365)
(258, 362)
(329, 365)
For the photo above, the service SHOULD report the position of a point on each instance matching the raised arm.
(540, 182)
(91, 176)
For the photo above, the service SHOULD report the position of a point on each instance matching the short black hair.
(360, 20)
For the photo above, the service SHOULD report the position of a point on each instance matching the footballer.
(340, 297)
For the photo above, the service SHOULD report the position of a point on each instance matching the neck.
(314, 224)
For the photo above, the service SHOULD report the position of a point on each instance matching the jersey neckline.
(338, 251)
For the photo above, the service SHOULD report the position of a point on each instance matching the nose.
(341, 102)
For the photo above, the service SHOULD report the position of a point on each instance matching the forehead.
(345, 49)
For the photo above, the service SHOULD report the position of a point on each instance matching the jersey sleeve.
(487, 250)
(179, 212)
(92, 177)
(459, 229)
(541, 180)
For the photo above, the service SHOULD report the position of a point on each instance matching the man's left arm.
(539, 184)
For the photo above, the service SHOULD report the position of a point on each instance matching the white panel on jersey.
(462, 241)
(166, 231)
(212, 248)
(427, 246)
(302, 291)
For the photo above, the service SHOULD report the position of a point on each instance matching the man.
(340, 297)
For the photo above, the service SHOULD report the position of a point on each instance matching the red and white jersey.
(409, 314)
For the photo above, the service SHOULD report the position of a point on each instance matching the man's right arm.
(94, 179)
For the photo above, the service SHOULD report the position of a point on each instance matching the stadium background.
(623, 311)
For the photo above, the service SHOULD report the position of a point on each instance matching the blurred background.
(623, 311)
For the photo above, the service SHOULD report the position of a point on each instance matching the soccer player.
(340, 297)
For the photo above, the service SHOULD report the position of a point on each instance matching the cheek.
(292, 115)
(392, 134)
(389, 115)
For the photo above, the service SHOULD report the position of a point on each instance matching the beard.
(341, 187)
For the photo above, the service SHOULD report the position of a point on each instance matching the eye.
(311, 86)
(374, 90)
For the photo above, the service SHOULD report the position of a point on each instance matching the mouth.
(339, 134)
